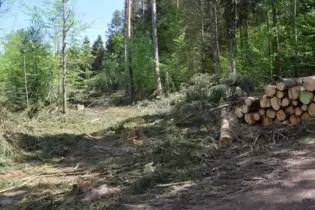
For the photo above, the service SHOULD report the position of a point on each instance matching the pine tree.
(98, 51)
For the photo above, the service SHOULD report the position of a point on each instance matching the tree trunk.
(126, 47)
(216, 36)
(233, 38)
(269, 44)
(130, 73)
(143, 7)
(59, 67)
(276, 40)
(156, 51)
(203, 56)
(295, 41)
(64, 67)
(128, 69)
(25, 82)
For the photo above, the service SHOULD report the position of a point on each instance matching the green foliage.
(177, 160)
(177, 66)
(39, 66)
(110, 77)
(9, 153)
(215, 88)
(142, 64)
(98, 52)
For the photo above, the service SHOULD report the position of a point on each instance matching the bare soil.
(92, 145)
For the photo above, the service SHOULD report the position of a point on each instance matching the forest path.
(284, 179)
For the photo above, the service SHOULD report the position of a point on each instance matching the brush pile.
(288, 101)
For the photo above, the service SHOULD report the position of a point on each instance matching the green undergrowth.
(9, 153)
(173, 160)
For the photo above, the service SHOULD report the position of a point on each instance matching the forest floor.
(167, 167)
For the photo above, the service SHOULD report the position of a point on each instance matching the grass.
(53, 143)
(89, 144)
(9, 153)
(173, 160)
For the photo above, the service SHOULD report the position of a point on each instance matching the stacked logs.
(288, 101)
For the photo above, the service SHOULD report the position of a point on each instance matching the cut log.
(271, 113)
(294, 120)
(270, 90)
(294, 102)
(305, 116)
(281, 115)
(304, 107)
(238, 112)
(311, 109)
(248, 109)
(286, 83)
(252, 101)
(256, 116)
(309, 83)
(306, 97)
(285, 102)
(264, 102)
(249, 118)
(294, 92)
(275, 103)
(289, 110)
(225, 132)
(281, 94)
(262, 111)
(266, 121)
(298, 111)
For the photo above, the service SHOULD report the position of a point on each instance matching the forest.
(180, 104)
(263, 40)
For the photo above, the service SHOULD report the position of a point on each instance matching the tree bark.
(156, 51)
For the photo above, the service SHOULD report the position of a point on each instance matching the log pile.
(288, 101)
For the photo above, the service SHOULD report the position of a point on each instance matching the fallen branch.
(172, 184)
(18, 186)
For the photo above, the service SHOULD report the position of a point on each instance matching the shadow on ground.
(180, 168)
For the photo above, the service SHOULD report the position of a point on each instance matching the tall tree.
(233, 37)
(128, 67)
(215, 39)
(65, 28)
(98, 51)
(116, 24)
(276, 50)
(64, 63)
(295, 39)
(156, 51)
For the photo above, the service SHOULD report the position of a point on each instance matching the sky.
(97, 12)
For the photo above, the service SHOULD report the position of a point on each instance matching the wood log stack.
(288, 101)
